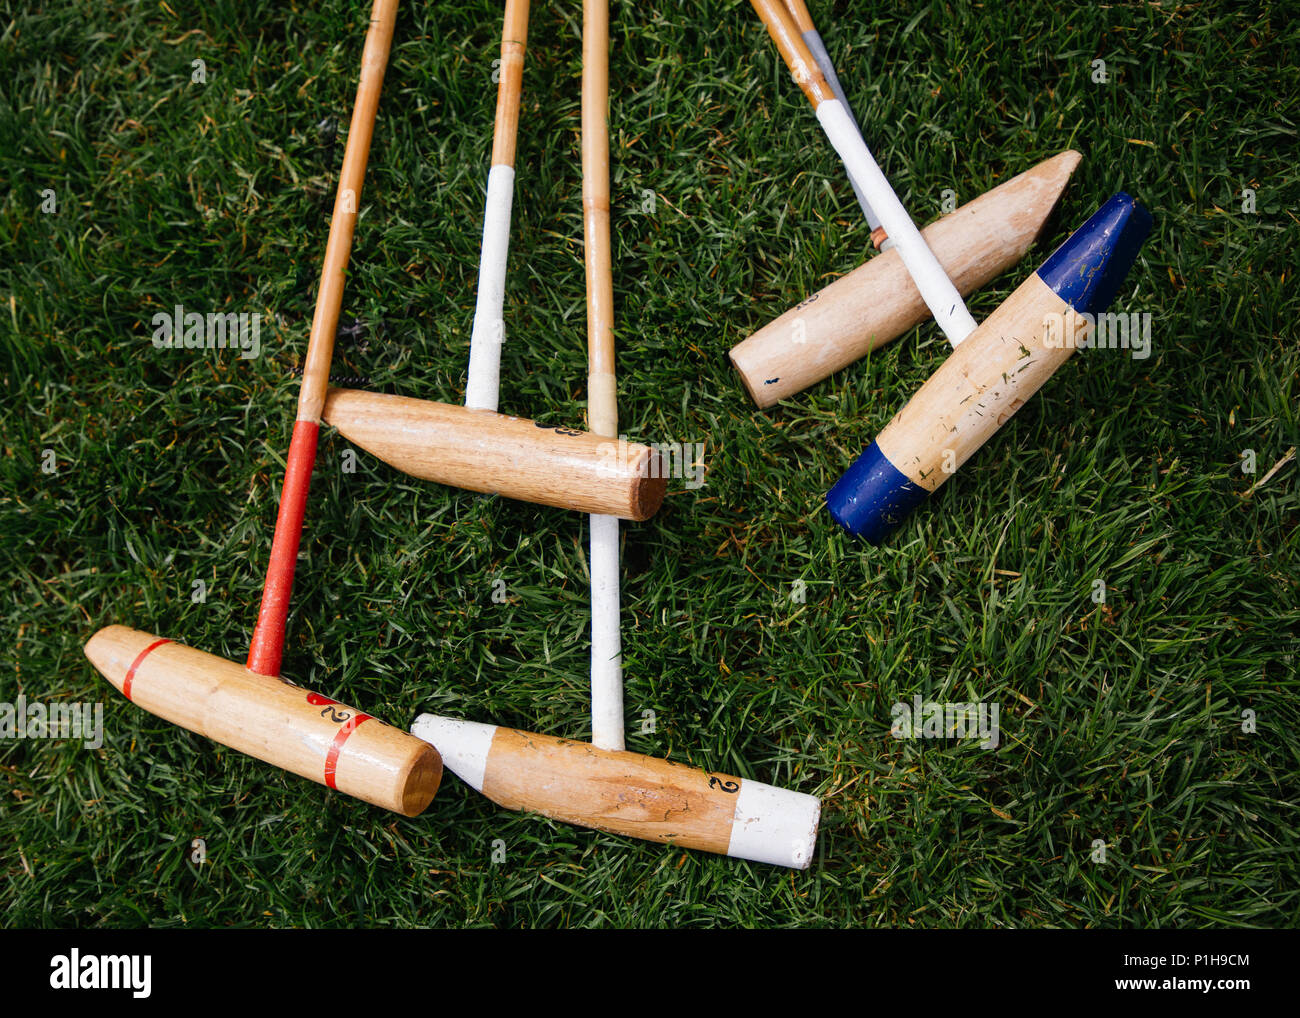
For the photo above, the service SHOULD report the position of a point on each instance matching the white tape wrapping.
(774, 825)
(483, 386)
(812, 38)
(606, 648)
(940, 296)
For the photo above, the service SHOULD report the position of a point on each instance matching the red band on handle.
(130, 672)
(332, 757)
(268, 638)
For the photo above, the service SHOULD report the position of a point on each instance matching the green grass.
(1120, 722)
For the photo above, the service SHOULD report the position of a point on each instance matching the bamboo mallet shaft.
(483, 382)
(813, 40)
(602, 398)
(940, 295)
(267, 645)
(602, 402)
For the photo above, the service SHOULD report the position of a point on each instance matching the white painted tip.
(463, 745)
(483, 386)
(937, 290)
(774, 825)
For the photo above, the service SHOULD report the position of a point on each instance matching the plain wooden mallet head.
(878, 301)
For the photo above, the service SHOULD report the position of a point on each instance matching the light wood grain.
(800, 15)
(602, 402)
(877, 302)
(624, 793)
(347, 205)
(794, 51)
(514, 41)
(271, 720)
(497, 454)
(978, 388)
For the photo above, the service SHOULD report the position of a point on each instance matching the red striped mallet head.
(249, 708)
(306, 733)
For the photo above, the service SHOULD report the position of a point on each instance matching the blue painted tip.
(1089, 268)
(873, 497)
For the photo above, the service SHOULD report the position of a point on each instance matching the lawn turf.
(1121, 723)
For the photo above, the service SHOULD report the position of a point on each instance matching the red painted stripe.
(268, 638)
(130, 672)
(332, 757)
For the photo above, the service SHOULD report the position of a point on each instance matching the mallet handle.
(268, 637)
(807, 75)
(347, 205)
(514, 42)
(940, 295)
(602, 405)
(801, 15)
(602, 398)
(813, 40)
(483, 378)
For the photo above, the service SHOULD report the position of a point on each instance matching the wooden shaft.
(628, 793)
(800, 15)
(514, 41)
(497, 454)
(813, 40)
(483, 377)
(940, 295)
(602, 403)
(293, 728)
(267, 645)
(878, 301)
(347, 203)
(602, 390)
(794, 51)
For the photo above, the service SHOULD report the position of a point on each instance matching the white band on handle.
(940, 296)
(813, 40)
(483, 386)
(606, 648)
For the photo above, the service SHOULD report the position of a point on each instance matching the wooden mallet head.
(628, 793)
(497, 454)
(991, 375)
(303, 732)
(878, 301)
